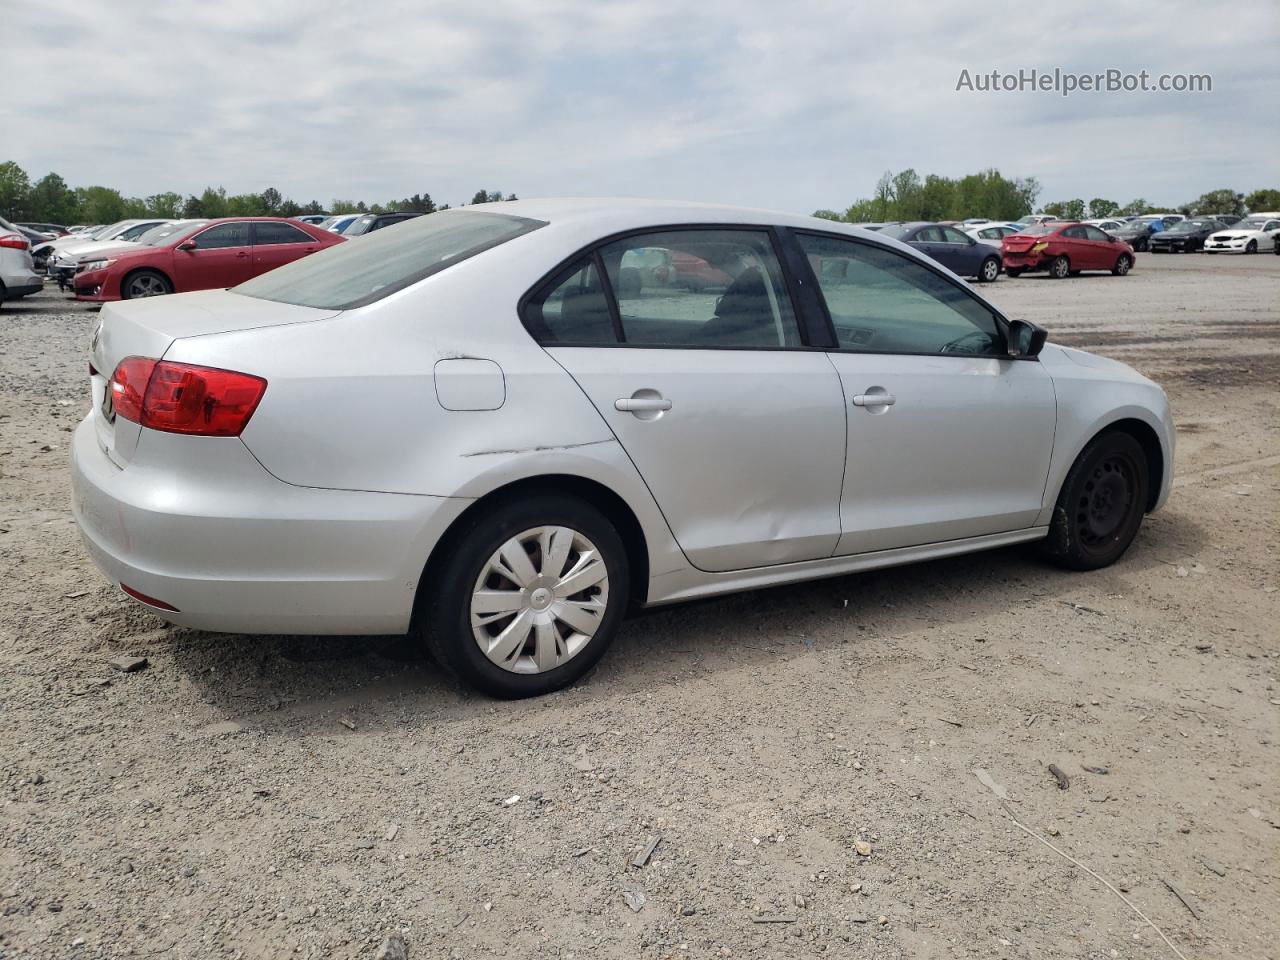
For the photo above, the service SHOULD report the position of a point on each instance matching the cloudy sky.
(792, 105)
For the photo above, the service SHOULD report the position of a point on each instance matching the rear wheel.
(1060, 268)
(990, 270)
(1100, 507)
(145, 283)
(528, 598)
(1123, 265)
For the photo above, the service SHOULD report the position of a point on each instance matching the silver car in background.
(18, 277)
(477, 425)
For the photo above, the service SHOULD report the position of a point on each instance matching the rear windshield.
(371, 267)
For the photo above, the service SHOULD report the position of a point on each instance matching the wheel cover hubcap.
(539, 599)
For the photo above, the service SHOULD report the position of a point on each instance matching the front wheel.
(990, 270)
(1141, 246)
(1251, 247)
(1100, 506)
(528, 598)
(1123, 265)
(145, 283)
(1060, 268)
(1013, 272)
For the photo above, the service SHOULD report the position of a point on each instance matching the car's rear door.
(948, 438)
(222, 257)
(736, 426)
(275, 244)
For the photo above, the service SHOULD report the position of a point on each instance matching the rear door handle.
(874, 400)
(641, 404)
(242, 254)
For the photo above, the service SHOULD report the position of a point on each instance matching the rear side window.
(573, 308)
(269, 233)
(359, 272)
(223, 235)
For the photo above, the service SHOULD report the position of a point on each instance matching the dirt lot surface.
(301, 797)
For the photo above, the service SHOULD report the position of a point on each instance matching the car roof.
(609, 214)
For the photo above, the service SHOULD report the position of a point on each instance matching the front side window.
(349, 275)
(269, 233)
(883, 302)
(1093, 233)
(700, 288)
(223, 235)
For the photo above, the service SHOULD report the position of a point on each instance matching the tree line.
(908, 197)
(51, 200)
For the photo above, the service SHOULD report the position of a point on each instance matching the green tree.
(213, 203)
(271, 200)
(166, 204)
(15, 192)
(1136, 208)
(1263, 201)
(481, 196)
(313, 208)
(53, 201)
(1217, 201)
(1099, 208)
(135, 208)
(192, 207)
(100, 204)
(1066, 209)
(827, 215)
(246, 205)
(342, 206)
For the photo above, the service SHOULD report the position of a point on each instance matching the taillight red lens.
(128, 386)
(14, 241)
(183, 398)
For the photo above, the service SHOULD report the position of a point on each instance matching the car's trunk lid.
(146, 328)
(1019, 243)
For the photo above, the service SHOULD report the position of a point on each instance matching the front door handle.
(242, 253)
(642, 404)
(874, 400)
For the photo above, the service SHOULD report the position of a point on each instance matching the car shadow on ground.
(297, 686)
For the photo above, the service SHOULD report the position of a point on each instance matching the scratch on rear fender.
(511, 453)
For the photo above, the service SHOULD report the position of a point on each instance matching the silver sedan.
(503, 426)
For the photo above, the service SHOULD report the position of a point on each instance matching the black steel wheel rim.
(1106, 501)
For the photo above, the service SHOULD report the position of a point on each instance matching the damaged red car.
(1065, 249)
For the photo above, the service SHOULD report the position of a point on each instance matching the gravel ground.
(806, 754)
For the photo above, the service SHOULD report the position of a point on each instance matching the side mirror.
(187, 245)
(1025, 339)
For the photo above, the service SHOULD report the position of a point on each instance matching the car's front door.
(222, 256)
(959, 253)
(1103, 251)
(948, 437)
(736, 427)
(275, 244)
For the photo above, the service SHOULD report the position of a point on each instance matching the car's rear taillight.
(183, 398)
(14, 241)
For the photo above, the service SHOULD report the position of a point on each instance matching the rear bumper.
(1024, 261)
(14, 291)
(197, 523)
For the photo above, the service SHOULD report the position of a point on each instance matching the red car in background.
(213, 255)
(1064, 249)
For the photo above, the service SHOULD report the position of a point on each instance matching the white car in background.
(1107, 224)
(992, 233)
(122, 230)
(267, 459)
(1255, 232)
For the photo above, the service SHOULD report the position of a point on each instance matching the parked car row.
(18, 277)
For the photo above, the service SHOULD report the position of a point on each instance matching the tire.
(1141, 246)
(989, 270)
(1100, 506)
(144, 283)
(453, 629)
(1013, 272)
(1060, 268)
(1123, 265)
(1251, 246)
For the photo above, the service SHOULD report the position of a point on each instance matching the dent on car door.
(736, 429)
(948, 438)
